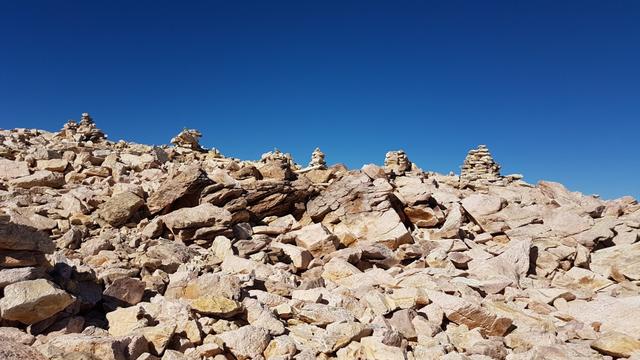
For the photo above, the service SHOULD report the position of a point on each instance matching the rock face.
(479, 166)
(126, 251)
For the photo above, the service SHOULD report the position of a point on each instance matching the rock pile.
(189, 139)
(85, 131)
(479, 166)
(317, 160)
(125, 251)
(397, 162)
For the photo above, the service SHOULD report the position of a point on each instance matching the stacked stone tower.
(479, 166)
(397, 162)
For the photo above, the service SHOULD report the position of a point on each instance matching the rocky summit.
(123, 251)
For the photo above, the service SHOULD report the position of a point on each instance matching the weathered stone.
(21, 237)
(81, 346)
(44, 178)
(610, 313)
(247, 342)
(183, 188)
(463, 312)
(316, 239)
(11, 276)
(11, 350)
(211, 294)
(17, 335)
(195, 217)
(617, 344)
(188, 138)
(33, 300)
(13, 169)
(510, 266)
(617, 262)
(119, 208)
(57, 165)
(125, 291)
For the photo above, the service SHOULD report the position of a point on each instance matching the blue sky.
(552, 87)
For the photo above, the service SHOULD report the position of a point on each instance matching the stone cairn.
(317, 160)
(277, 165)
(397, 162)
(189, 139)
(85, 130)
(479, 166)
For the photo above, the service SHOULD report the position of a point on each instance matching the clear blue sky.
(552, 87)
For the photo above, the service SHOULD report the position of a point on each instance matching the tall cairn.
(479, 166)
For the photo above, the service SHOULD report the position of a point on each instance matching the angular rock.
(21, 237)
(183, 188)
(463, 312)
(196, 217)
(316, 239)
(617, 345)
(119, 208)
(13, 169)
(11, 350)
(124, 291)
(33, 300)
(617, 262)
(247, 342)
(43, 178)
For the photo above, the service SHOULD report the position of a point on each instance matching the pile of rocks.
(189, 139)
(127, 251)
(479, 166)
(85, 131)
(397, 162)
(317, 160)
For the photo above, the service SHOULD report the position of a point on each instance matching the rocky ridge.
(118, 250)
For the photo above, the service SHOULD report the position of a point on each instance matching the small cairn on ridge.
(317, 159)
(397, 162)
(85, 130)
(479, 166)
(277, 165)
(189, 139)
